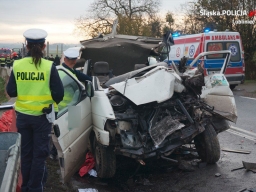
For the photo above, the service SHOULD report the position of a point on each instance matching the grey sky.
(57, 17)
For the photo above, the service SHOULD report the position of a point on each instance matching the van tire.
(207, 145)
(91, 143)
(105, 160)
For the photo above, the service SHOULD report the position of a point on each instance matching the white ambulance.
(191, 45)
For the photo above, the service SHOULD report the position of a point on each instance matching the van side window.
(71, 93)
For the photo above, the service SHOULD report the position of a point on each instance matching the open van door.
(73, 125)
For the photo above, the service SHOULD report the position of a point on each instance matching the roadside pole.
(47, 49)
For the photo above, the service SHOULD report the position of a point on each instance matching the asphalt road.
(246, 113)
(197, 177)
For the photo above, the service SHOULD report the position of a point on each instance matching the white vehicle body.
(84, 114)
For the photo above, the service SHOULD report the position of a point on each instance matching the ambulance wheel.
(105, 160)
(232, 87)
(207, 145)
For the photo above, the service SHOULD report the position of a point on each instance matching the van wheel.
(105, 160)
(232, 87)
(207, 145)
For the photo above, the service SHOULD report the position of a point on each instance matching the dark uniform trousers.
(9, 64)
(35, 136)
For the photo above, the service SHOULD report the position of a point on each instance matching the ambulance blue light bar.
(176, 34)
(206, 30)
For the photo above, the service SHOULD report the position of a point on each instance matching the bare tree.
(132, 15)
(169, 22)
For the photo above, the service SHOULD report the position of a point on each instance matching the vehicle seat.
(139, 66)
(101, 70)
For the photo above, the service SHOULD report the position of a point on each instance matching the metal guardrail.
(10, 144)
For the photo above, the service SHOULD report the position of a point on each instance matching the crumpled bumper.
(173, 141)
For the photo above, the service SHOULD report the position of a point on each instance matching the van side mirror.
(89, 89)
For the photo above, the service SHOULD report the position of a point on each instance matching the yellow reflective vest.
(33, 86)
(2, 60)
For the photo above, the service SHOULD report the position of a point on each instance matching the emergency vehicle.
(191, 45)
(17, 51)
(5, 54)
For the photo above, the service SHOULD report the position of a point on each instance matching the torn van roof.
(122, 52)
(109, 40)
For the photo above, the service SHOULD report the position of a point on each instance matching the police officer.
(70, 58)
(36, 84)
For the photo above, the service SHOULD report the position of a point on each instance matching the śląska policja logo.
(238, 13)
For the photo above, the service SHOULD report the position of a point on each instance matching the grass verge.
(250, 81)
(3, 97)
(53, 183)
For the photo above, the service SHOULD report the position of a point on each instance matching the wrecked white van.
(146, 113)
